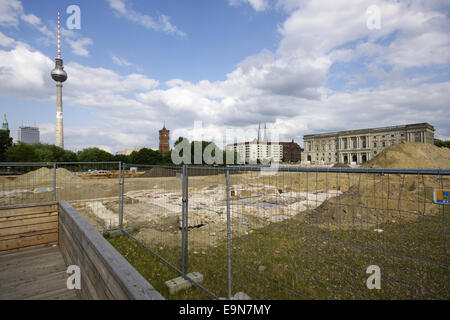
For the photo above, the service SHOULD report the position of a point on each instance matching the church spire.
(5, 123)
(259, 132)
(265, 132)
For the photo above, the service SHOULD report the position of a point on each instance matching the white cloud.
(162, 23)
(286, 88)
(258, 5)
(5, 41)
(25, 73)
(10, 11)
(121, 62)
(79, 46)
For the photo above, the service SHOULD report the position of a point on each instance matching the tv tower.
(59, 75)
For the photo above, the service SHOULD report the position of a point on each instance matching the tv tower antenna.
(59, 75)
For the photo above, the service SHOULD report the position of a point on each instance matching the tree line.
(40, 152)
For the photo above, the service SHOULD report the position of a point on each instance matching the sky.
(300, 66)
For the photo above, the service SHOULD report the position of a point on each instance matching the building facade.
(252, 151)
(359, 146)
(292, 152)
(164, 137)
(28, 134)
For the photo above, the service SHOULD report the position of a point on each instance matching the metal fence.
(91, 187)
(292, 233)
(298, 233)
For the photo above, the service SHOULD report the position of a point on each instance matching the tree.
(52, 153)
(146, 156)
(5, 142)
(445, 144)
(21, 152)
(94, 155)
(122, 158)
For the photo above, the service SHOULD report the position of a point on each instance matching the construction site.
(317, 211)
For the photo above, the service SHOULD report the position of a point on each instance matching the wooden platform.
(34, 274)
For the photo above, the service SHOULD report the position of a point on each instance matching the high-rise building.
(28, 134)
(258, 149)
(59, 75)
(164, 145)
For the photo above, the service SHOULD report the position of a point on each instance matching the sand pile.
(45, 176)
(374, 199)
(411, 155)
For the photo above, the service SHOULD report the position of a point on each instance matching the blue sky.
(301, 66)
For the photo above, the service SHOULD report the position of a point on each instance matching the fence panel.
(293, 233)
(315, 234)
(92, 188)
(22, 183)
(153, 207)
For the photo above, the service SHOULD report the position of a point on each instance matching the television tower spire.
(59, 75)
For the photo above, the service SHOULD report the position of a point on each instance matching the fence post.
(183, 223)
(228, 235)
(120, 195)
(54, 181)
(186, 213)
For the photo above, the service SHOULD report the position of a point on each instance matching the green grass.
(295, 259)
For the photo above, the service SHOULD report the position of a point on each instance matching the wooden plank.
(34, 274)
(104, 283)
(28, 241)
(28, 234)
(131, 282)
(70, 255)
(26, 229)
(27, 256)
(30, 216)
(59, 294)
(97, 288)
(20, 250)
(23, 222)
(28, 205)
(51, 282)
(21, 211)
(30, 272)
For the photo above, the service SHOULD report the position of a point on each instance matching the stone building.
(164, 145)
(359, 146)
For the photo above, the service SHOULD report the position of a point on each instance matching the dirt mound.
(157, 172)
(379, 199)
(45, 176)
(374, 199)
(411, 155)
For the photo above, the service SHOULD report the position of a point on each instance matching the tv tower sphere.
(58, 74)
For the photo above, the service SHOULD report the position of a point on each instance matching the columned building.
(359, 146)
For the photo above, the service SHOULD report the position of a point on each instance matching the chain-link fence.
(90, 187)
(291, 233)
(301, 233)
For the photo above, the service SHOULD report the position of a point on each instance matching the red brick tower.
(164, 145)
